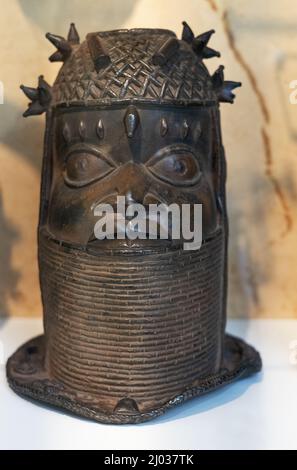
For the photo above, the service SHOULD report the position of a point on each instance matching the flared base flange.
(28, 377)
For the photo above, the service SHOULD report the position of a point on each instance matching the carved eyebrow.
(169, 150)
(91, 149)
(185, 127)
(67, 132)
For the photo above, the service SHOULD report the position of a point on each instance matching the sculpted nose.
(130, 199)
(133, 183)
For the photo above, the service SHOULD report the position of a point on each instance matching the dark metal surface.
(138, 326)
(28, 377)
(131, 327)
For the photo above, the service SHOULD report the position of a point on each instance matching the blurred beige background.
(258, 42)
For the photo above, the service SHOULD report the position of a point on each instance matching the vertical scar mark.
(212, 5)
(276, 186)
(245, 66)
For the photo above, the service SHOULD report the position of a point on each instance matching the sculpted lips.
(125, 234)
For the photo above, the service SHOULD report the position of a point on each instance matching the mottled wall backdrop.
(258, 42)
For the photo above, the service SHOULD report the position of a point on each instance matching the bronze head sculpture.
(132, 328)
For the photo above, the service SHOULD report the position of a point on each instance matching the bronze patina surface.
(131, 327)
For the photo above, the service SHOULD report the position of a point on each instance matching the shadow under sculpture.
(131, 328)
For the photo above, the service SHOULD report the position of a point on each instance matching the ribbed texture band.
(134, 326)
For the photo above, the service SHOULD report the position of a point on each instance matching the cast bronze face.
(167, 157)
(132, 328)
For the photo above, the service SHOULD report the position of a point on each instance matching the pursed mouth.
(116, 245)
(150, 233)
(137, 245)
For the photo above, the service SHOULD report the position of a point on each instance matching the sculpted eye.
(179, 168)
(84, 168)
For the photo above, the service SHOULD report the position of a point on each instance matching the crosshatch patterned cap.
(136, 65)
(132, 74)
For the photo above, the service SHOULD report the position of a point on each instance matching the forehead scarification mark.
(100, 129)
(185, 129)
(82, 130)
(163, 127)
(66, 132)
(131, 120)
(198, 130)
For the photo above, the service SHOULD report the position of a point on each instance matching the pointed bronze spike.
(200, 45)
(34, 109)
(218, 78)
(163, 127)
(131, 120)
(187, 34)
(209, 53)
(203, 39)
(73, 36)
(63, 46)
(56, 57)
(166, 51)
(100, 129)
(185, 129)
(98, 51)
(40, 97)
(226, 95)
(59, 42)
(45, 94)
(31, 93)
